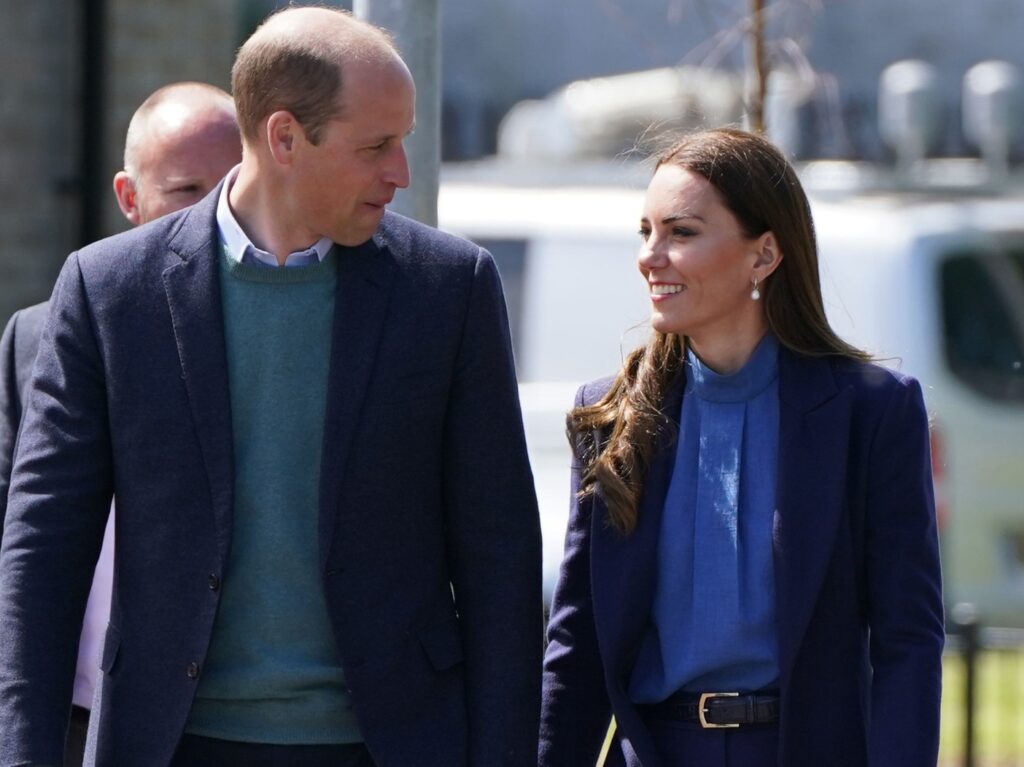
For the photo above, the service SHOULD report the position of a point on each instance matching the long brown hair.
(615, 438)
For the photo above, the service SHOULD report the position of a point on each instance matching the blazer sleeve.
(576, 710)
(58, 505)
(493, 534)
(904, 587)
(10, 410)
(18, 349)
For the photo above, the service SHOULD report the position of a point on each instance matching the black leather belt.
(716, 709)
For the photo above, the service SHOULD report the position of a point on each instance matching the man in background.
(181, 141)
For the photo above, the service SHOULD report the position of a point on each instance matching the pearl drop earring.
(755, 293)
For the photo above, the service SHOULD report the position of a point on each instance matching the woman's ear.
(768, 255)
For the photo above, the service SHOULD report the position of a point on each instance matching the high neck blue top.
(713, 618)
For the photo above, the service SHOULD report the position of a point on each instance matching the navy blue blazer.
(857, 584)
(18, 348)
(429, 539)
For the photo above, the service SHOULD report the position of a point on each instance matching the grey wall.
(149, 44)
(38, 126)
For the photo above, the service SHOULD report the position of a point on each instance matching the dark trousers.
(681, 744)
(197, 751)
(74, 745)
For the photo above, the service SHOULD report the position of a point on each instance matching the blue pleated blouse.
(713, 618)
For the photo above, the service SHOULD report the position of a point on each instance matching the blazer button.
(192, 671)
(214, 582)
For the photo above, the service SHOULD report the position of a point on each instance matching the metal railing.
(969, 641)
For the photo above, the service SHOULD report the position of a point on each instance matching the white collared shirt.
(240, 247)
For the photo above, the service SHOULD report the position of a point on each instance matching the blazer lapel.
(623, 579)
(365, 276)
(193, 295)
(624, 568)
(814, 422)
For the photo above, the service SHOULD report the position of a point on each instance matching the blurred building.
(495, 54)
(74, 73)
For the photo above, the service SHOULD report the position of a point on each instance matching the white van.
(931, 281)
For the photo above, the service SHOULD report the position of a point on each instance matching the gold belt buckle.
(701, 710)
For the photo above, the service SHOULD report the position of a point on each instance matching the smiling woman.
(752, 500)
(702, 268)
(728, 211)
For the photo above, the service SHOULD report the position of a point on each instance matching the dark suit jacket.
(429, 539)
(857, 584)
(18, 349)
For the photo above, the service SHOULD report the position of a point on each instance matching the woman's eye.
(682, 231)
(644, 234)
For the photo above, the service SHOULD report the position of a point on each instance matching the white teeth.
(665, 290)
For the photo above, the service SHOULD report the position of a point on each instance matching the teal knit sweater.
(272, 673)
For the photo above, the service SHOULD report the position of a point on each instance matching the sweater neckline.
(256, 271)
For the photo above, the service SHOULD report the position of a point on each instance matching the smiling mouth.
(666, 290)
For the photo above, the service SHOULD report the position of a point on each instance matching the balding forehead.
(178, 115)
(330, 28)
(189, 93)
(174, 114)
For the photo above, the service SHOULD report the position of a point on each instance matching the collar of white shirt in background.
(240, 247)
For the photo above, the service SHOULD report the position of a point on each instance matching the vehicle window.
(510, 258)
(983, 322)
(1013, 553)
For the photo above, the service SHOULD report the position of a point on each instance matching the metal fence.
(983, 711)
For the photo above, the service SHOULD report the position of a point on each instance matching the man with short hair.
(181, 141)
(328, 547)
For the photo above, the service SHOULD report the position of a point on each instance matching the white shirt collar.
(240, 247)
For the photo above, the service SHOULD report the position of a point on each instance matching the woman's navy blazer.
(857, 583)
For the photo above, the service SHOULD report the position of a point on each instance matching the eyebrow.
(680, 216)
(675, 217)
(390, 136)
(378, 138)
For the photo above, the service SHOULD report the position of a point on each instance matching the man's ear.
(127, 197)
(284, 136)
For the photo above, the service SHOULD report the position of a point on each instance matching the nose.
(397, 170)
(652, 255)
